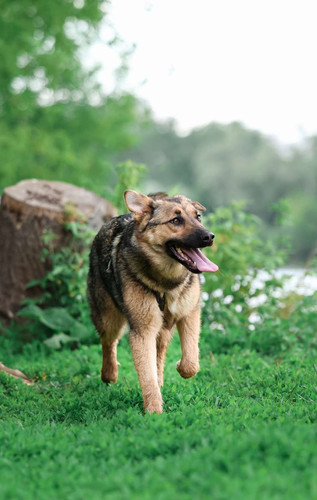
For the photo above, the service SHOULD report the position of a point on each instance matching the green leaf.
(80, 331)
(55, 318)
(31, 311)
(58, 340)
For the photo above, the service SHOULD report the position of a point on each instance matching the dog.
(144, 269)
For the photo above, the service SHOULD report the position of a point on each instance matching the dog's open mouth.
(193, 259)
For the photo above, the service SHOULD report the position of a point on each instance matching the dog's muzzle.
(187, 251)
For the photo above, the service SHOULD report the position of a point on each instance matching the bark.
(27, 210)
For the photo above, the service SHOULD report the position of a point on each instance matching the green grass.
(244, 428)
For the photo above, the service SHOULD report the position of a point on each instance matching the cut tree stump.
(27, 210)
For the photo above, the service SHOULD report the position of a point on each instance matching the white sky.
(222, 60)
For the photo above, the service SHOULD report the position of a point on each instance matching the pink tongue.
(203, 264)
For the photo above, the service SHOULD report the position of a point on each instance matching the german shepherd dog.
(144, 270)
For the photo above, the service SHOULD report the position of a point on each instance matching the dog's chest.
(179, 305)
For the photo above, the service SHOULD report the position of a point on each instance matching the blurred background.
(217, 99)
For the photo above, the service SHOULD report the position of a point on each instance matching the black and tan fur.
(134, 278)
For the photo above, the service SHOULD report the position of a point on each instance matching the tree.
(55, 121)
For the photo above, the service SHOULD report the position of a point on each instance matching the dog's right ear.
(137, 203)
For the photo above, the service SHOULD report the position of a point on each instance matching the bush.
(63, 307)
(244, 303)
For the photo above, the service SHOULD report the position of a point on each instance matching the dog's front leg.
(143, 345)
(189, 330)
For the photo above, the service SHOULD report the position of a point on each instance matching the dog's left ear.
(198, 206)
(137, 203)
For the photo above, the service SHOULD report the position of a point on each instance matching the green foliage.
(129, 176)
(244, 303)
(58, 320)
(272, 328)
(303, 210)
(241, 247)
(240, 252)
(65, 284)
(64, 289)
(39, 48)
(55, 121)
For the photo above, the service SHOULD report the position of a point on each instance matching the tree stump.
(27, 209)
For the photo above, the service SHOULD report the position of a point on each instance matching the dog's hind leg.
(114, 326)
(189, 330)
(110, 324)
(162, 342)
(109, 370)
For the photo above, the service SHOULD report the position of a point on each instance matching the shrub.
(244, 303)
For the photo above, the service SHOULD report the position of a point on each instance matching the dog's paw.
(153, 402)
(154, 408)
(187, 370)
(109, 376)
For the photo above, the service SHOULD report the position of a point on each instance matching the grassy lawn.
(244, 428)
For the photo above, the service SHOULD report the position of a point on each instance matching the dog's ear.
(198, 206)
(137, 203)
(158, 196)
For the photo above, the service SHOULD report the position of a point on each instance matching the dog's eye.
(176, 221)
(199, 217)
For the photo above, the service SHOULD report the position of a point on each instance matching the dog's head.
(171, 227)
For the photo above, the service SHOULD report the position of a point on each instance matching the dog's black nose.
(208, 238)
(199, 239)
